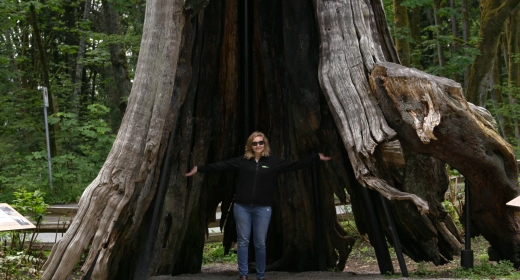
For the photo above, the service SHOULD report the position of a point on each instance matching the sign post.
(516, 204)
(45, 105)
(466, 255)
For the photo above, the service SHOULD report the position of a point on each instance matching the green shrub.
(214, 252)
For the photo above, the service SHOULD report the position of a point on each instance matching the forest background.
(85, 54)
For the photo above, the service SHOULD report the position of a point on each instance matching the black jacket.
(257, 181)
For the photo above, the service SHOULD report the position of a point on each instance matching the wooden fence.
(60, 217)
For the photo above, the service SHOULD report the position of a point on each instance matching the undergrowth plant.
(214, 253)
(17, 259)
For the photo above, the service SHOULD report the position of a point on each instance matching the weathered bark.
(342, 64)
(492, 18)
(431, 117)
(113, 205)
(342, 71)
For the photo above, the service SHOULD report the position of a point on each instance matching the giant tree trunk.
(112, 207)
(311, 90)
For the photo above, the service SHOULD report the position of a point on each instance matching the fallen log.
(431, 116)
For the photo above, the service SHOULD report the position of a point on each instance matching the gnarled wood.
(342, 70)
(410, 100)
(112, 206)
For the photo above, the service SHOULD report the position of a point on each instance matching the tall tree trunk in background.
(465, 35)
(78, 79)
(415, 32)
(438, 32)
(492, 18)
(113, 205)
(120, 88)
(53, 106)
(496, 97)
(402, 30)
(512, 33)
(455, 34)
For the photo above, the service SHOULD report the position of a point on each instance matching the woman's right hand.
(193, 171)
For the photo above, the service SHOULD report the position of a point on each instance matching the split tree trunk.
(112, 207)
(432, 117)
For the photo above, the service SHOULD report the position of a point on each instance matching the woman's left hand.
(322, 157)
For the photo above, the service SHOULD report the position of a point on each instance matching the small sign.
(515, 202)
(10, 219)
(45, 97)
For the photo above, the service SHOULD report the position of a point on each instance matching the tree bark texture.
(113, 205)
(431, 117)
(492, 18)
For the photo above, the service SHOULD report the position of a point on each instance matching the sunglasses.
(261, 143)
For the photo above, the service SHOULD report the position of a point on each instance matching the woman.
(254, 194)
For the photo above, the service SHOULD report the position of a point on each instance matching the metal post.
(375, 233)
(45, 105)
(395, 237)
(466, 255)
(320, 244)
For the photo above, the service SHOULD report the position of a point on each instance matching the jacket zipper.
(254, 183)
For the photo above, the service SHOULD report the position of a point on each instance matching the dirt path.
(229, 271)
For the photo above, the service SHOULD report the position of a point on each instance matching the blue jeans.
(258, 217)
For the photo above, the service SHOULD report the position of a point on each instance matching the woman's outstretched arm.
(322, 157)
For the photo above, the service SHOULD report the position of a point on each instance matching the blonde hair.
(249, 150)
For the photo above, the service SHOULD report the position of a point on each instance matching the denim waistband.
(251, 204)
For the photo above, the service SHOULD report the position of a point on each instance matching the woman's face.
(259, 142)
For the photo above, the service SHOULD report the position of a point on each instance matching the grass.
(363, 255)
(214, 253)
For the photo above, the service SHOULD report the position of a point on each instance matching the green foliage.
(414, 3)
(509, 109)
(20, 265)
(487, 270)
(30, 204)
(214, 252)
(16, 262)
(87, 143)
